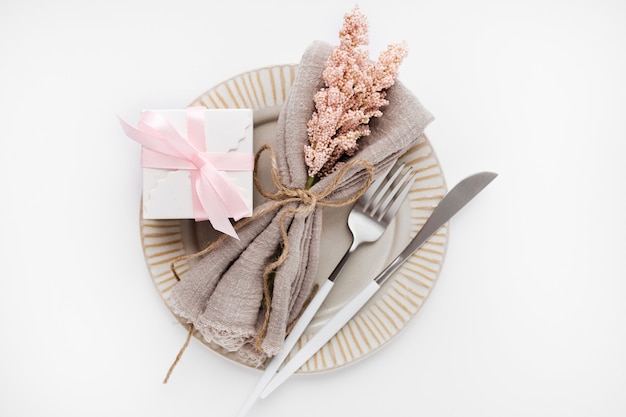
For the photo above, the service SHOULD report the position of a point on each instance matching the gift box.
(197, 164)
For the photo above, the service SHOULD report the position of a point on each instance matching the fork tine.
(394, 185)
(396, 197)
(371, 190)
(382, 186)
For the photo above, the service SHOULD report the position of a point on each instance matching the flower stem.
(309, 182)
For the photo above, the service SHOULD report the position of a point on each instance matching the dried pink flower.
(354, 93)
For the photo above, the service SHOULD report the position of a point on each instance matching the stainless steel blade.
(455, 200)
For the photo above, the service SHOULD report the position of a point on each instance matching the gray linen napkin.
(222, 295)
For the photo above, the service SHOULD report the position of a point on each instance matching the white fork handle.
(322, 336)
(291, 340)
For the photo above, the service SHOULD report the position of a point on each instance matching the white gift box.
(167, 193)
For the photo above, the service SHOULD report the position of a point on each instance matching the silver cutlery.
(367, 221)
(454, 200)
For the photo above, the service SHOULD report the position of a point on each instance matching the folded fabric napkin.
(222, 295)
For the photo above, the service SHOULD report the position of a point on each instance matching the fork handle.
(291, 340)
(322, 336)
(339, 267)
(301, 325)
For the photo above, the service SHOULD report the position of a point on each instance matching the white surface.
(528, 315)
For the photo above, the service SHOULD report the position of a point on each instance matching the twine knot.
(305, 196)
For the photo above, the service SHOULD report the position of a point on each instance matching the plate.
(387, 314)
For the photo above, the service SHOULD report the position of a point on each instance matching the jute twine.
(307, 200)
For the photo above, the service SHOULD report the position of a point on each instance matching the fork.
(369, 218)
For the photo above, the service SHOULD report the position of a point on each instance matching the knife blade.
(455, 200)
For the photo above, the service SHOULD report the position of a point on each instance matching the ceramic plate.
(390, 310)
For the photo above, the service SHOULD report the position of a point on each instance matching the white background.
(529, 315)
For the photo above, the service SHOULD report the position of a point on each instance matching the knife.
(454, 201)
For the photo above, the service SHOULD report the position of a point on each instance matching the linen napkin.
(223, 294)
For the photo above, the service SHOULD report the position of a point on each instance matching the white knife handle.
(291, 340)
(322, 336)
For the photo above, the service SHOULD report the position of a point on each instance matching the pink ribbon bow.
(215, 198)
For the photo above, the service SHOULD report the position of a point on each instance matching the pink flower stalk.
(354, 93)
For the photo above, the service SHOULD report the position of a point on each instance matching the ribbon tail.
(227, 192)
(215, 211)
(235, 203)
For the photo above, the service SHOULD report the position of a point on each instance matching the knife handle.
(322, 336)
(291, 340)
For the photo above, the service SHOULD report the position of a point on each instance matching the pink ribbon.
(215, 198)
